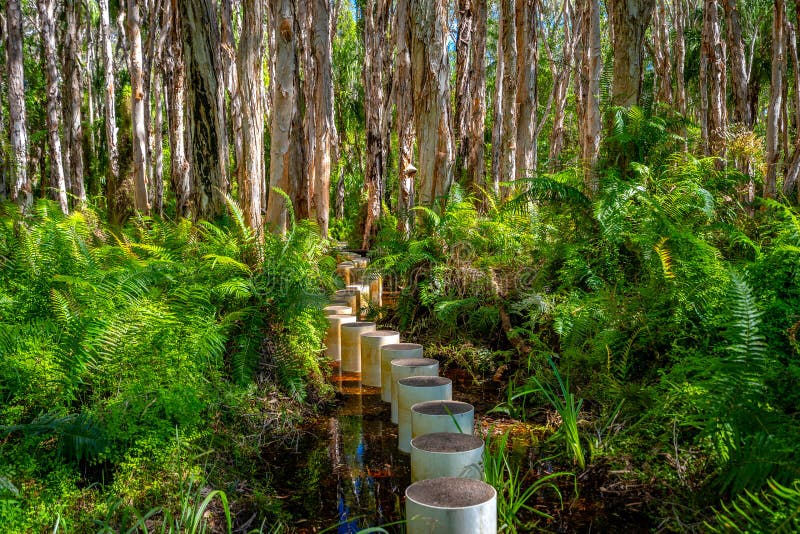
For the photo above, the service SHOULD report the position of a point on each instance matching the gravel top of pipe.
(439, 407)
(449, 492)
(425, 381)
(381, 333)
(414, 362)
(402, 346)
(447, 442)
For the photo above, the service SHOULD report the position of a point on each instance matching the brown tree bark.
(713, 59)
(21, 189)
(527, 96)
(284, 104)
(561, 70)
(475, 163)
(430, 82)
(47, 28)
(629, 21)
(405, 118)
(775, 97)
(230, 74)
(792, 178)
(508, 136)
(250, 170)
(739, 73)
(463, 101)
(376, 15)
(680, 55)
(175, 80)
(73, 88)
(109, 97)
(205, 95)
(663, 65)
(590, 70)
(493, 185)
(324, 125)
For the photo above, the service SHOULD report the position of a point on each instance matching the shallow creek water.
(346, 473)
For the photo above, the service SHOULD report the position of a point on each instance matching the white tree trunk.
(21, 191)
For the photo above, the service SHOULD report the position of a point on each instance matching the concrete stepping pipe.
(371, 343)
(344, 269)
(375, 290)
(351, 344)
(360, 262)
(352, 298)
(405, 367)
(333, 339)
(391, 352)
(441, 416)
(450, 505)
(446, 454)
(416, 389)
(337, 309)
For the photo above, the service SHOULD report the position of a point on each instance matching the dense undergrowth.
(670, 307)
(144, 366)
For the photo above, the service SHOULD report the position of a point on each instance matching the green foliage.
(774, 509)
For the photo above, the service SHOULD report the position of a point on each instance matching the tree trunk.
(205, 92)
(175, 80)
(325, 127)
(376, 15)
(680, 56)
(109, 105)
(250, 170)
(775, 96)
(561, 78)
(497, 119)
(463, 100)
(663, 66)
(74, 98)
(713, 59)
(739, 74)
(629, 21)
(157, 152)
(138, 101)
(21, 189)
(283, 108)
(475, 164)
(430, 81)
(47, 27)
(508, 137)
(591, 69)
(228, 56)
(792, 178)
(527, 96)
(405, 118)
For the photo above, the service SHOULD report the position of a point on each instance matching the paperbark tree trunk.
(138, 101)
(21, 189)
(508, 138)
(680, 56)
(775, 97)
(792, 178)
(376, 14)
(463, 101)
(74, 98)
(231, 77)
(739, 74)
(527, 95)
(430, 80)
(475, 164)
(629, 21)
(175, 80)
(324, 127)
(47, 28)
(405, 118)
(713, 54)
(663, 65)
(205, 92)
(157, 152)
(591, 69)
(109, 98)
(284, 104)
(561, 72)
(250, 171)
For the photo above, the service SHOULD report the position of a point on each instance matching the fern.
(776, 509)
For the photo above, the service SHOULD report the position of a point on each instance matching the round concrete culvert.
(371, 343)
(450, 505)
(352, 298)
(335, 309)
(333, 339)
(351, 344)
(405, 367)
(344, 269)
(446, 454)
(391, 352)
(441, 416)
(375, 289)
(416, 389)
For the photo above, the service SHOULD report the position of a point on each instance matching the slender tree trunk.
(228, 56)
(776, 96)
(591, 69)
(250, 84)
(138, 102)
(157, 152)
(713, 54)
(498, 116)
(431, 89)
(325, 126)
(792, 178)
(205, 92)
(629, 21)
(680, 56)
(527, 96)
(663, 65)
(405, 118)
(508, 139)
(475, 164)
(74, 99)
(47, 28)
(284, 104)
(376, 16)
(109, 105)
(21, 189)
(175, 80)
(463, 100)
(573, 33)
(739, 74)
